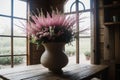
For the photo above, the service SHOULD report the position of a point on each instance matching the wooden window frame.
(12, 35)
(77, 22)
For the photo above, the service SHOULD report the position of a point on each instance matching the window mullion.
(27, 38)
(12, 52)
(77, 29)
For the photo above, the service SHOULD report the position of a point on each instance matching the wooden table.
(71, 72)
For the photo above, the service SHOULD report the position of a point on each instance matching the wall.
(109, 43)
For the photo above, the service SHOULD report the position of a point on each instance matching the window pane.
(70, 50)
(68, 5)
(5, 46)
(5, 26)
(5, 62)
(85, 46)
(20, 8)
(19, 46)
(74, 16)
(19, 28)
(19, 61)
(5, 7)
(84, 23)
(86, 3)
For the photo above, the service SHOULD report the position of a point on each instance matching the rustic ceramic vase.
(54, 57)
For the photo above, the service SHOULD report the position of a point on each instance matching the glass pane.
(19, 61)
(5, 26)
(68, 5)
(20, 8)
(84, 23)
(5, 62)
(86, 3)
(19, 46)
(70, 50)
(5, 7)
(19, 27)
(5, 46)
(74, 16)
(85, 46)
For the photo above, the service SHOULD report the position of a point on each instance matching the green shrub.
(87, 53)
(70, 53)
(7, 60)
(18, 60)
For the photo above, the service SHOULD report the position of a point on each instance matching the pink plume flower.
(55, 27)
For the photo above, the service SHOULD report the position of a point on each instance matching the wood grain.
(38, 72)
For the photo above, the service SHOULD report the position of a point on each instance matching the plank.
(117, 44)
(38, 72)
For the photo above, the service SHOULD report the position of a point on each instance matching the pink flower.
(55, 27)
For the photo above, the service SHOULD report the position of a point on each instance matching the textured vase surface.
(54, 57)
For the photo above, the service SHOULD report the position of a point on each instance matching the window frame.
(77, 22)
(11, 36)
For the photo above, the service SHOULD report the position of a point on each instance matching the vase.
(54, 57)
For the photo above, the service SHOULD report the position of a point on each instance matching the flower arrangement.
(56, 27)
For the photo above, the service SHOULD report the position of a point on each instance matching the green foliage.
(18, 60)
(70, 53)
(7, 60)
(87, 53)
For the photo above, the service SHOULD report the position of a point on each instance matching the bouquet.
(56, 27)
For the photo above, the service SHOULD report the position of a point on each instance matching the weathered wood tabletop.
(38, 72)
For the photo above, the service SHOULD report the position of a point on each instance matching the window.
(12, 39)
(81, 46)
